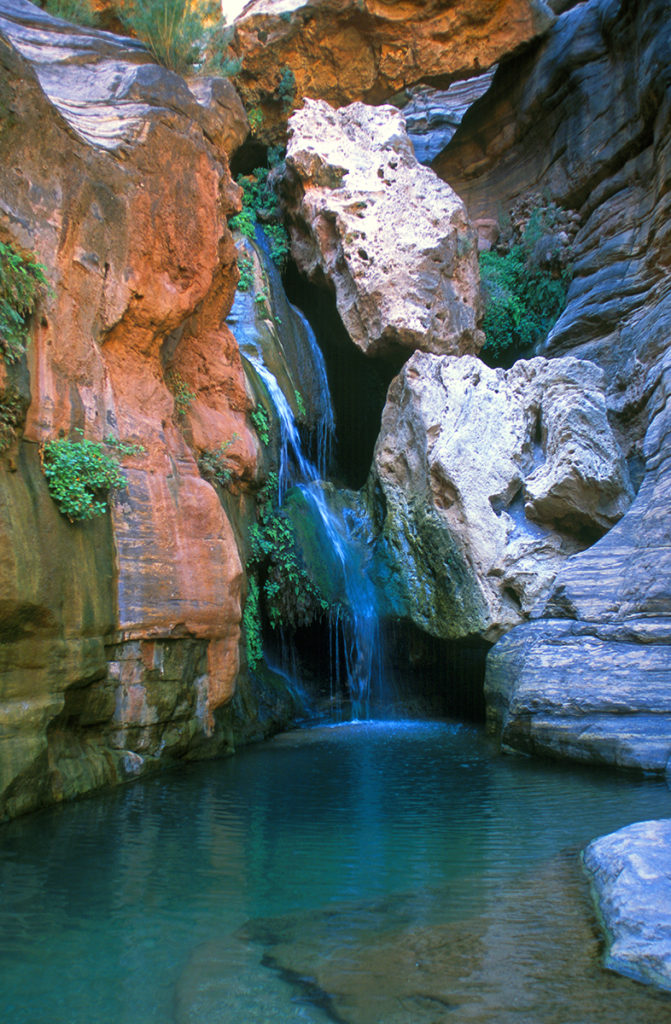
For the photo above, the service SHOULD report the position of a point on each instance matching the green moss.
(181, 392)
(290, 594)
(261, 422)
(12, 412)
(246, 269)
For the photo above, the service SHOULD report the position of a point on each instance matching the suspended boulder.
(389, 236)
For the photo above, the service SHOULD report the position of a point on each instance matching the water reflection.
(335, 855)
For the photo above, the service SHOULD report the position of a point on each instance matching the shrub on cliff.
(80, 474)
(279, 581)
(260, 205)
(21, 281)
(183, 35)
(524, 288)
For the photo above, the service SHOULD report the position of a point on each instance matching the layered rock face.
(390, 237)
(491, 479)
(629, 872)
(348, 50)
(115, 175)
(590, 679)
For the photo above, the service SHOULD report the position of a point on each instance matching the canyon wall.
(584, 119)
(121, 635)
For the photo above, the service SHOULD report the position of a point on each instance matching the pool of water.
(373, 873)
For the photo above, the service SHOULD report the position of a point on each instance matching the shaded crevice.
(421, 676)
(358, 383)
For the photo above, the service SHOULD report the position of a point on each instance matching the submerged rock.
(631, 879)
(390, 237)
(347, 50)
(516, 470)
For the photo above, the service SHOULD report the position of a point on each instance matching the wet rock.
(117, 178)
(629, 872)
(518, 468)
(400, 281)
(342, 51)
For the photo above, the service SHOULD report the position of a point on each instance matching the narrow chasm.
(322, 610)
(358, 383)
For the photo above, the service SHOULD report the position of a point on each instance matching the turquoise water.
(373, 872)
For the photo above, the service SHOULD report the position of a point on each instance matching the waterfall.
(353, 626)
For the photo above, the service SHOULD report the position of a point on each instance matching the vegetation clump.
(525, 280)
(182, 35)
(12, 412)
(22, 280)
(261, 422)
(80, 475)
(246, 270)
(79, 12)
(216, 465)
(181, 392)
(279, 580)
(260, 206)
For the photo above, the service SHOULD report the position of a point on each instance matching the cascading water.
(353, 627)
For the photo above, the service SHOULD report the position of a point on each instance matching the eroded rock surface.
(382, 230)
(348, 50)
(513, 471)
(116, 178)
(629, 872)
(585, 120)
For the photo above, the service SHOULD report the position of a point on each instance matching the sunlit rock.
(348, 50)
(491, 480)
(390, 237)
(116, 178)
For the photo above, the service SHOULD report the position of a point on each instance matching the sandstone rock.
(518, 468)
(432, 116)
(342, 50)
(598, 145)
(601, 145)
(629, 872)
(400, 280)
(117, 179)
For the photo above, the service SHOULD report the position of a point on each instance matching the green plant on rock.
(216, 465)
(124, 447)
(286, 89)
(300, 404)
(80, 475)
(246, 269)
(524, 289)
(261, 422)
(260, 206)
(12, 412)
(255, 118)
(251, 622)
(291, 596)
(22, 280)
(181, 392)
(79, 12)
(262, 301)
